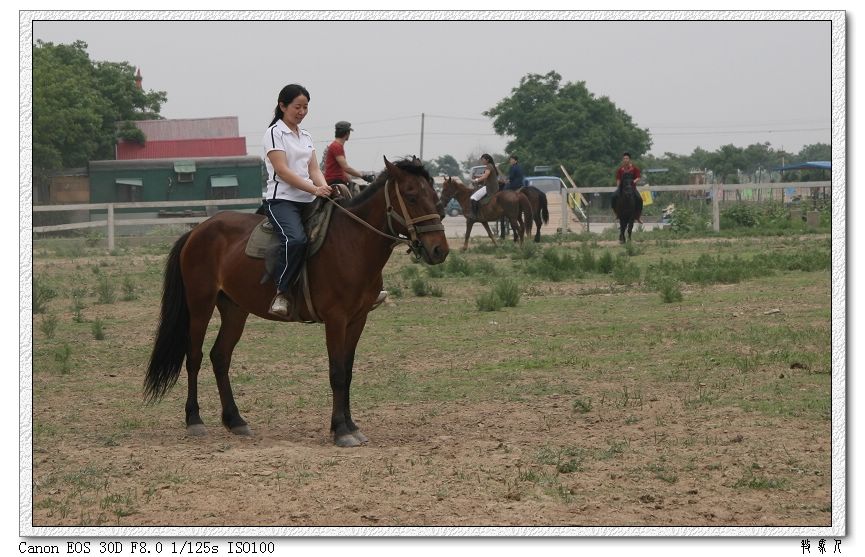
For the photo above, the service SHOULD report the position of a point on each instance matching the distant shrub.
(489, 301)
(420, 287)
(625, 271)
(48, 325)
(129, 292)
(42, 294)
(98, 329)
(105, 290)
(456, 265)
(508, 292)
(605, 263)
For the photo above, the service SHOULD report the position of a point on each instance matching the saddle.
(264, 244)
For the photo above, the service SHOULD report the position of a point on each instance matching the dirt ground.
(102, 458)
(451, 465)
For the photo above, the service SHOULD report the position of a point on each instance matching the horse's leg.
(469, 224)
(537, 218)
(630, 229)
(233, 321)
(342, 341)
(352, 336)
(201, 305)
(622, 225)
(489, 232)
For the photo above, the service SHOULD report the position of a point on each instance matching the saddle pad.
(316, 220)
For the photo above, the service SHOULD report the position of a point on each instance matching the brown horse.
(208, 268)
(507, 203)
(539, 214)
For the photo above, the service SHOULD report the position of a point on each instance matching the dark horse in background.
(508, 204)
(540, 212)
(626, 207)
(208, 268)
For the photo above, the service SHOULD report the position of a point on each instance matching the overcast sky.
(691, 83)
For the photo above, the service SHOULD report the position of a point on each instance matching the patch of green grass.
(508, 291)
(48, 325)
(489, 301)
(42, 294)
(751, 481)
(105, 293)
(98, 329)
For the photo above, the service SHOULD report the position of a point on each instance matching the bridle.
(405, 219)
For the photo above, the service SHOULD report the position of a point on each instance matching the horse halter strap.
(405, 219)
(413, 230)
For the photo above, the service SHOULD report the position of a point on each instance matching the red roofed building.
(185, 138)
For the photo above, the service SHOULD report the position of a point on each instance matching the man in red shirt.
(627, 176)
(336, 168)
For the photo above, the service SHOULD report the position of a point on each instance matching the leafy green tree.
(554, 123)
(78, 103)
(445, 165)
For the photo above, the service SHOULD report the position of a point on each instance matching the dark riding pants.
(285, 216)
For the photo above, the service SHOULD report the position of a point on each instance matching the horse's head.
(449, 190)
(416, 209)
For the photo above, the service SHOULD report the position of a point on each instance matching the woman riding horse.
(208, 268)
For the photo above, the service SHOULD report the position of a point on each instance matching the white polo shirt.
(298, 149)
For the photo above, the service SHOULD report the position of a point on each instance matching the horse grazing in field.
(208, 267)
(540, 212)
(506, 203)
(625, 208)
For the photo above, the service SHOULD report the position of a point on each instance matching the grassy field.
(574, 382)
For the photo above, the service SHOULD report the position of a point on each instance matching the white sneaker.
(382, 296)
(279, 306)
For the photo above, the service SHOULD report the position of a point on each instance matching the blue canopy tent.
(812, 165)
(815, 165)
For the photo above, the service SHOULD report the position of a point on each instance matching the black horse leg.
(352, 336)
(233, 321)
(341, 343)
(622, 225)
(200, 311)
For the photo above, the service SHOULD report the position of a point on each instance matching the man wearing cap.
(336, 168)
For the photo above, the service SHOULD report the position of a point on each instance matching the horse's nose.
(439, 253)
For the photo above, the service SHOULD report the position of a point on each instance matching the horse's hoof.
(361, 438)
(242, 430)
(196, 430)
(347, 440)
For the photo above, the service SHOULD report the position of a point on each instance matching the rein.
(405, 219)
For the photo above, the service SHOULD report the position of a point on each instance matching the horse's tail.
(172, 336)
(545, 212)
(525, 209)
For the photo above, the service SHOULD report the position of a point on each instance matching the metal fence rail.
(210, 206)
(716, 190)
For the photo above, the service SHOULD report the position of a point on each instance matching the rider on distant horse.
(336, 168)
(628, 175)
(490, 181)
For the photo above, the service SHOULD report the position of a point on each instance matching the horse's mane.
(409, 166)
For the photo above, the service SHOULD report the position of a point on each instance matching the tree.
(78, 103)
(445, 165)
(554, 124)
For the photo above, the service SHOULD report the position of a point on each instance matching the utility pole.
(421, 136)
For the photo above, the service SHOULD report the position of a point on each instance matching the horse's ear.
(391, 168)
